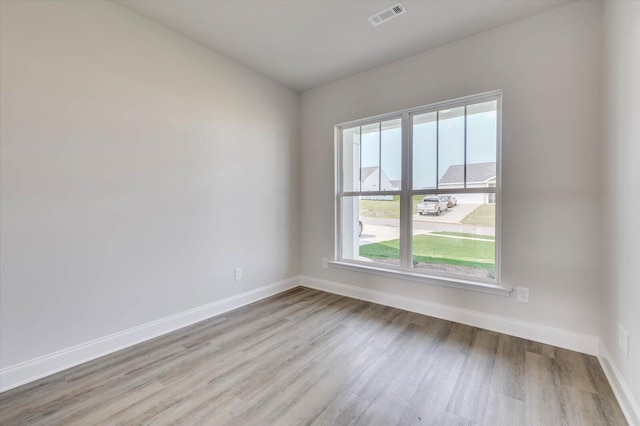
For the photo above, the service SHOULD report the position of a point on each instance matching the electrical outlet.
(238, 274)
(325, 263)
(623, 340)
(522, 294)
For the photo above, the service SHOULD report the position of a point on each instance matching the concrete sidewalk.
(384, 229)
(375, 234)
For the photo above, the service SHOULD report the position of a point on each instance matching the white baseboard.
(623, 394)
(29, 371)
(550, 335)
(25, 372)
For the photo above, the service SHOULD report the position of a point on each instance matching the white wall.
(138, 170)
(621, 149)
(548, 67)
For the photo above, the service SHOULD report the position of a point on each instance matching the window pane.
(351, 159)
(370, 159)
(371, 229)
(451, 148)
(455, 234)
(391, 150)
(425, 151)
(482, 125)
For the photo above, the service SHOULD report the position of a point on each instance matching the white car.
(450, 199)
(432, 204)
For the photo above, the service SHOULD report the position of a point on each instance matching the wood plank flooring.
(306, 357)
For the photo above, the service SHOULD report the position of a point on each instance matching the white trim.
(29, 371)
(423, 109)
(442, 280)
(540, 333)
(627, 402)
(407, 192)
(477, 190)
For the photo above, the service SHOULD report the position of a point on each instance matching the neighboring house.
(372, 180)
(479, 175)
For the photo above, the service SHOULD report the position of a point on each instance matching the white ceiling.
(305, 43)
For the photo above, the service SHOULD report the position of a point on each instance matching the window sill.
(428, 279)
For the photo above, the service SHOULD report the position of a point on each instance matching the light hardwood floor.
(308, 357)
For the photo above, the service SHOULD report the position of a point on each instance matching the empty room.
(319, 212)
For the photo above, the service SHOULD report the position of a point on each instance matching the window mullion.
(360, 161)
(464, 178)
(405, 200)
(437, 149)
(339, 156)
(380, 156)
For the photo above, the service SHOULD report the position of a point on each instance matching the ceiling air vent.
(387, 14)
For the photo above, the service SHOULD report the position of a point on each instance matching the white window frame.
(405, 270)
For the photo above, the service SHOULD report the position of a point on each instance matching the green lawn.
(379, 208)
(485, 215)
(434, 249)
(464, 234)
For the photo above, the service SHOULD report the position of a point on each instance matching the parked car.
(432, 204)
(450, 199)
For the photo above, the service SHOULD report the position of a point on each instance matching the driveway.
(453, 215)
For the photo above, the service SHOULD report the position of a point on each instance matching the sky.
(481, 146)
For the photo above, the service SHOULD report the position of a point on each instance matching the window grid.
(407, 191)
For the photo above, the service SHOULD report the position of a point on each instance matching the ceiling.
(305, 43)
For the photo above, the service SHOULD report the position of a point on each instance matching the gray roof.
(365, 172)
(478, 172)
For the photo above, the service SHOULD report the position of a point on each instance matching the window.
(418, 191)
